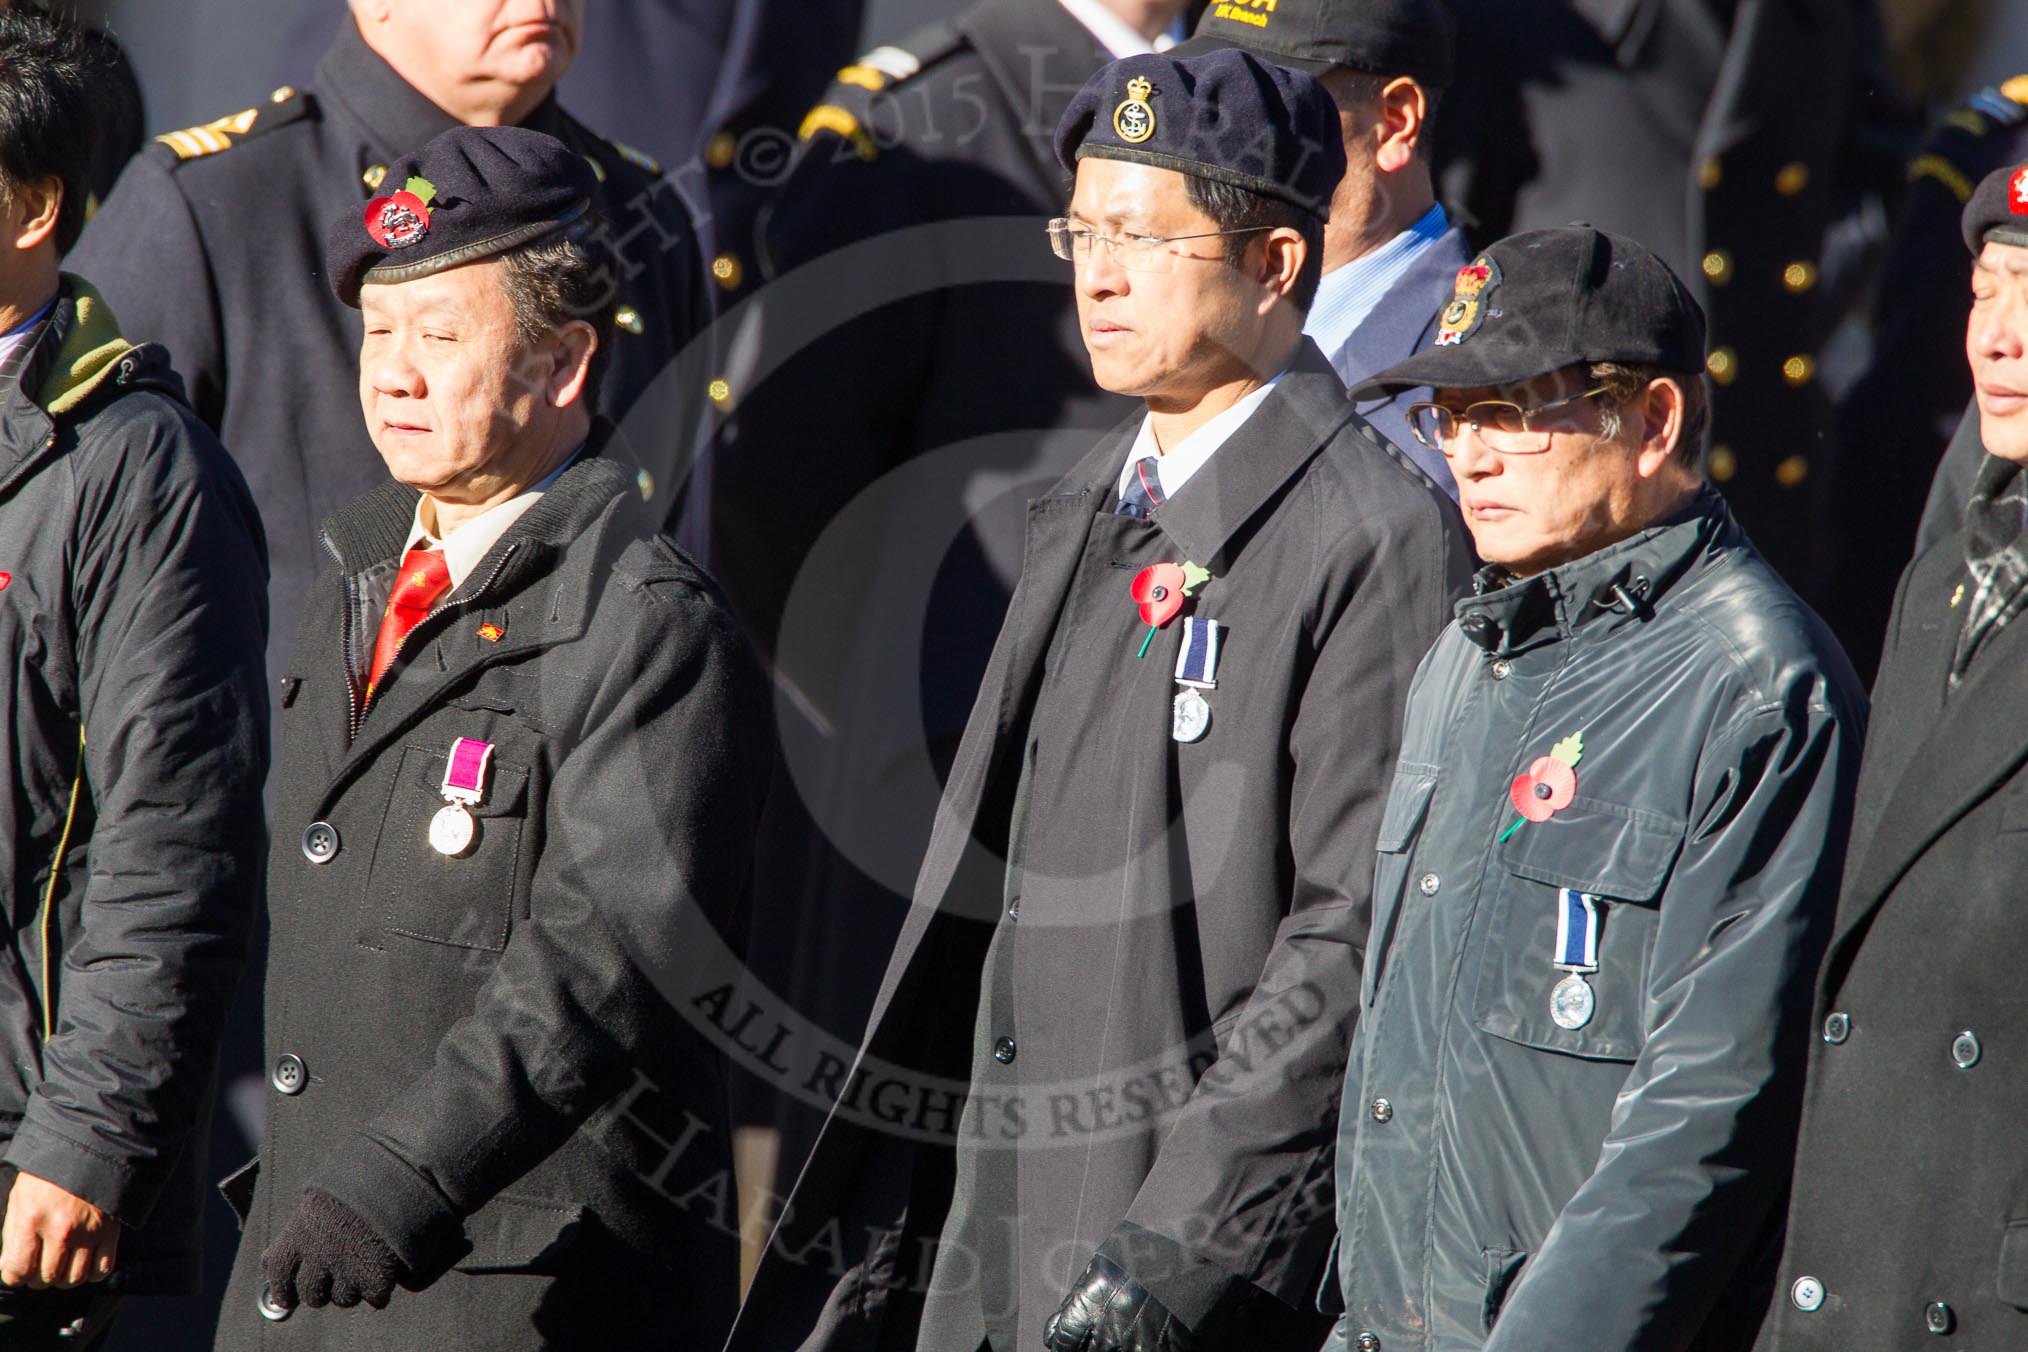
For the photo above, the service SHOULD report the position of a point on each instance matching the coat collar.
(1040, 56)
(1508, 615)
(398, 116)
(1269, 449)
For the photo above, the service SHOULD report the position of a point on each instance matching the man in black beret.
(1921, 997)
(524, 750)
(1093, 1108)
(1389, 250)
(1607, 862)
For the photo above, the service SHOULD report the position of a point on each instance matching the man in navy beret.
(524, 750)
(1919, 1006)
(1094, 1106)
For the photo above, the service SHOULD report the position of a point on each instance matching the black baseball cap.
(471, 193)
(1540, 301)
(1998, 211)
(1416, 38)
(1227, 116)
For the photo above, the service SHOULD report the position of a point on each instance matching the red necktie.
(424, 577)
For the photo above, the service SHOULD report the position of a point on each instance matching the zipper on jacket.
(49, 893)
(357, 714)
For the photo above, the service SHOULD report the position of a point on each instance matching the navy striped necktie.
(1144, 490)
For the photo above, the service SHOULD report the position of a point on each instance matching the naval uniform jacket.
(1910, 1201)
(481, 1055)
(1515, 1182)
(1178, 942)
(212, 244)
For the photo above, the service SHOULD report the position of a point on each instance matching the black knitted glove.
(327, 1255)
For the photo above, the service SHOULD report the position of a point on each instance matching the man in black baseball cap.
(1389, 250)
(1626, 782)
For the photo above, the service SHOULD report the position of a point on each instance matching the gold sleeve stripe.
(1944, 172)
(830, 117)
(212, 137)
(866, 77)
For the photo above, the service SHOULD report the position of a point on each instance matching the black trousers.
(57, 1321)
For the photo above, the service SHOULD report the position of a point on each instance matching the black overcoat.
(1183, 960)
(1911, 1182)
(481, 1055)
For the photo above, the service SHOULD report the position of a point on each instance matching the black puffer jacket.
(133, 617)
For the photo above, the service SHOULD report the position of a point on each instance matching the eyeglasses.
(1136, 253)
(1504, 427)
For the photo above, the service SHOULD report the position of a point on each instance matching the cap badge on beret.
(1467, 308)
(401, 218)
(1134, 119)
(2017, 193)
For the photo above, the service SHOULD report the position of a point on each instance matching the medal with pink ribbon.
(453, 829)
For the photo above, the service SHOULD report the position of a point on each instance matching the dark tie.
(425, 576)
(1144, 490)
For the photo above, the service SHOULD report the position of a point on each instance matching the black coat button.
(1937, 1317)
(1837, 1027)
(320, 842)
(1965, 1050)
(1003, 1051)
(290, 1075)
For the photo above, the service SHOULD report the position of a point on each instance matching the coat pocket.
(466, 900)
(519, 1234)
(1503, 1266)
(1618, 856)
(237, 1188)
(1400, 825)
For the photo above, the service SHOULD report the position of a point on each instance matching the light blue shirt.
(1347, 295)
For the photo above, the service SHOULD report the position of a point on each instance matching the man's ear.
(575, 343)
(1661, 424)
(32, 212)
(1282, 256)
(1403, 112)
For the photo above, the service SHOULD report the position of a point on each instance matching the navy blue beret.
(1225, 116)
(471, 193)
(1998, 211)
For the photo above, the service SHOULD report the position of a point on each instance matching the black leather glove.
(327, 1255)
(1108, 1311)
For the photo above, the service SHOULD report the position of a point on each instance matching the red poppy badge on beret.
(1549, 785)
(401, 218)
(2017, 193)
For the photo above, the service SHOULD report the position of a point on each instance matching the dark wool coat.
(1176, 948)
(481, 1055)
(1910, 1208)
(133, 742)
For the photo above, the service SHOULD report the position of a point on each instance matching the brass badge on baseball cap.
(1467, 309)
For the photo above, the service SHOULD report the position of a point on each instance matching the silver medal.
(1572, 1002)
(452, 830)
(1190, 718)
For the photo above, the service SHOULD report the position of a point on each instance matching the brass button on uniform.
(290, 1076)
(373, 176)
(282, 95)
(320, 842)
(1937, 1317)
(628, 318)
(1799, 370)
(1710, 174)
(1793, 178)
(1383, 1111)
(1003, 1051)
(1722, 463)
(720, 150)
(1718, 267)
(1791, 472)
(1723, 364)
(1837, 1027)
(1799, 277)
(720, 392)
(727, 272)
(1965, 1050)
(1807, 1295)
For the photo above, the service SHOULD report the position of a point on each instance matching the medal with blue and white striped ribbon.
(1572, 1003)
(1196, 670)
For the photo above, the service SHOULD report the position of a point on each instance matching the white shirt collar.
(1182, 461)
(1115, 34)
(470, 541)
